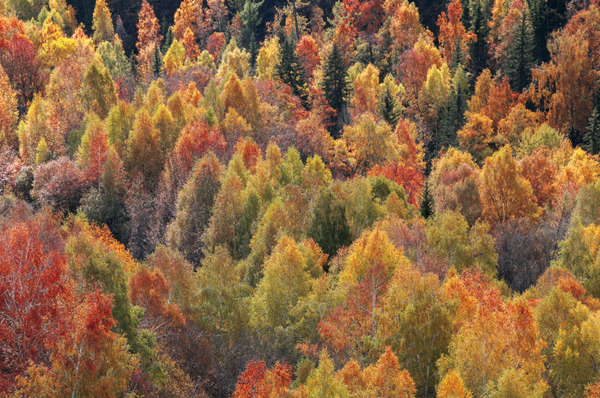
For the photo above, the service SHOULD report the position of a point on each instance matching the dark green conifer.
(520, 55)
(168, 40)
(388, 107)
(426, 202)
(335, 86)
(290, 71)
(157, 62)
(592, 136)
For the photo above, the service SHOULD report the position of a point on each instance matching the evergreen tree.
(427, 202)
(334, 82)
(335, 85)
(157, 62)
(388, 108)
(592, 137)
(480, 12)
(290, 71)
(454, 117)
(250, 20)
(537, 17)
(168, 40)
(520, 56)
(458, 58)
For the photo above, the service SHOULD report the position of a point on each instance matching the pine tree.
(520, 56)
(458, 58)
(427, 202)
(335, 85)
(592, 137)
(157, 62)
(480, 14)
(290, 71)
(250, 20)
(168, 40)
(388, 108)
(537, 16)
(454, 117)
(334, 82)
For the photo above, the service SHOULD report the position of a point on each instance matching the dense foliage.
(300, 200)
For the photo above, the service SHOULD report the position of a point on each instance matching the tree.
(106, 205)
(504, 192)
(268, 58)
(433, 100)
(33, 282)
(387, 379)
(227, 212)
(328, 225)
(250, 17)
(454, 38)
(389, 105)
(416, 321)
(366, 85)
(194, 208)
(58, 184)
(102, 23)
(98, 90)
(174, 57)
(353, 328)
(307, 51)
(564, 82)
(290, 71)
(520, 54)
(322, 383)
(90, 359)
(286, 280)
(427, 202)
(143, 150)
(454, 118)
(23, 69)
(8, 112)
(93, 151)
(372, 142)
(223, 301)
(334, 84)
(592, 136)
(452, 386)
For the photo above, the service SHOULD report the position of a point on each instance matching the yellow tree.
(267, 59)
(143, 149)
(102, 23)
(371, 142)
(505, 193)
(387, 379)
(366, 86)
(452, 386)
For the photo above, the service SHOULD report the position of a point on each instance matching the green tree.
(334, 83)
(157, 62)
(290, 71)
(194, 208)
(98, 89)
(592, 136)
(328, 225)
(250, 17)
(427, 204)
(454, 117)
(223, 300)
(520, 55)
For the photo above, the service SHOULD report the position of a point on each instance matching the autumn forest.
(302, 199)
